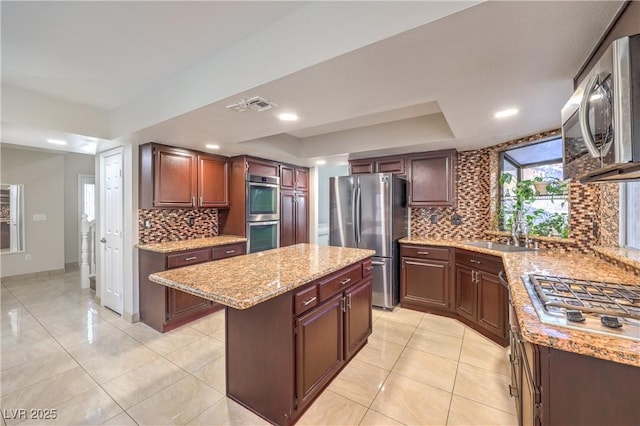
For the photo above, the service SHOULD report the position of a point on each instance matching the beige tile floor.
(62, 351)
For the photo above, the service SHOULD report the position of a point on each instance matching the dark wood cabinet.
(425, 282)
(363, 166)
(213, 181)
(287, 350)
(260, 167)
(179, 178)
(358, 317)
(319, 348)
(480, 299)
(394, 164)
(432, 179)
(164, 308)
(554, 387)
(294, 178)
(294, 218)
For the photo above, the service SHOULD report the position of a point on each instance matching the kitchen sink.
(496, 246)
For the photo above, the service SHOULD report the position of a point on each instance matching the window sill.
(625, 256)
(560, 240)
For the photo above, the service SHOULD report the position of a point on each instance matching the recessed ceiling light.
(506, 113)
(288, 116)
(212, 146)
(56, 142)
(321, 162)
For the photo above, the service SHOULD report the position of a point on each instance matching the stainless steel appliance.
(601, 121)
(596, 307)
(262, 213)
(264, 235)
(263, 198)
(369, 211)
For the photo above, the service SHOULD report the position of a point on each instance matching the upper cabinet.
(179, 178)
(377, 165)
(295, 178)
(260, 167)
(432, 179)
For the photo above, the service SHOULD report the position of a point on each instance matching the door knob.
(103, 240)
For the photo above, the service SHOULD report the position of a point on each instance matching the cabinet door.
(357, 167)
(390, 165)
(287, 218)
(213, 182)
(287, 177)
(492, 304)
(181, 304)
(302, 179)
(175, 178)
(319, 348)
(301, 217)
(358, 317)
(432, 179)
(466, 294)
(262, 167)
(425, 282)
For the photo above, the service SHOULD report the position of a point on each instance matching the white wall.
(74, 165)
(42, 174)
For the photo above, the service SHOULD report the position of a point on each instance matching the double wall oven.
(262, 212)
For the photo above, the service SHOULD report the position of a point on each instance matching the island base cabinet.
(319, 349)
(282, 353)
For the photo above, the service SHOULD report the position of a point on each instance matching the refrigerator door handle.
(357, 214)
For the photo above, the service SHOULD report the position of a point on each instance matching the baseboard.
(70, 267)
(32, 275)
(131, 317)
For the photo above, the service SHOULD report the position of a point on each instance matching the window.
(630, 208)
(533, 194)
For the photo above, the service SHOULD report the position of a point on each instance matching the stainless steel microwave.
(601, 121)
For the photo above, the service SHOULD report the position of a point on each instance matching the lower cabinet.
(164, 308)
(282, 353)
(554, 387)
(424, 280)
(480, 299)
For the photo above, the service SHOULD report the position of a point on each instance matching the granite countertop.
(555, 262)
(174, 246)
(244, 281)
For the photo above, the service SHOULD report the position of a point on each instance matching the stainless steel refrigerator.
(369, 211)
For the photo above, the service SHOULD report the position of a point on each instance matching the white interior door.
(111, 223)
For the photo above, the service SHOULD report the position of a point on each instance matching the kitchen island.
(294, 318)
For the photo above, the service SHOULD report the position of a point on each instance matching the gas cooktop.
(600, 307)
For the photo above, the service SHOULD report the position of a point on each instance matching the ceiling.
(365, 78)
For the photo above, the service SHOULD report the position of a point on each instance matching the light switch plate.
(39, 217)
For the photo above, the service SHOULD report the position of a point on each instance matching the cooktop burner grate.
(561, 293)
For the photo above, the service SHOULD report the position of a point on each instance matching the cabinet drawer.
(479, 261)
(367, 267)
(231, 250)
(188, 258)
(426, 252)
(305, 299)
(342, 279)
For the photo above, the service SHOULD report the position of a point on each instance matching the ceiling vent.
(256, 103)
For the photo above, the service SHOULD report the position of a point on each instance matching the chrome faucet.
(514, 236)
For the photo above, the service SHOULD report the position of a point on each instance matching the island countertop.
(244, 281)
(194, 243)
(555, 262)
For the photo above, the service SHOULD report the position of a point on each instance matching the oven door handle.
(583, 116)
(270, 222)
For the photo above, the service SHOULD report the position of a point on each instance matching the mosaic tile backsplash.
(593, 209)
(173, 224)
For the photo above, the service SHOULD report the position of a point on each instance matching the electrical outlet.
(27, 258)
(434, 218)
(192, 221)
(456, 219)
(147, 223)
